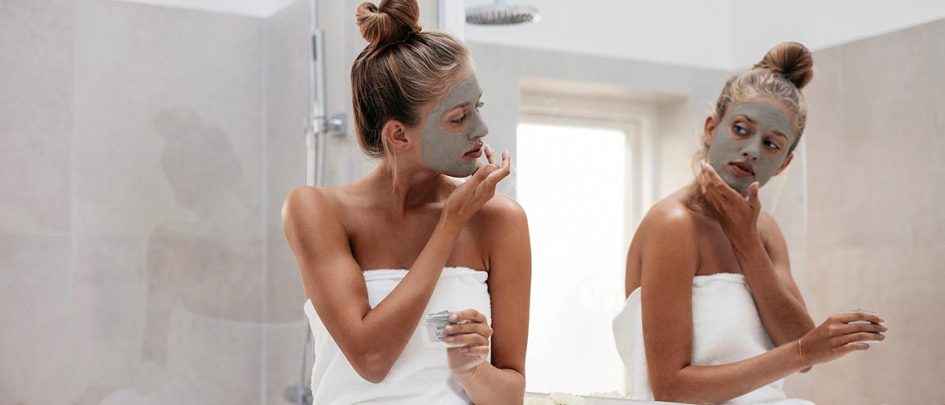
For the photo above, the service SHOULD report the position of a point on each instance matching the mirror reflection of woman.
(378, 255)
(713, 314)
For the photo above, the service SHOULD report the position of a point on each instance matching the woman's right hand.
(470, 196)
(840, 334)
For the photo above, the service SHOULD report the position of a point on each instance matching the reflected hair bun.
(791, 60)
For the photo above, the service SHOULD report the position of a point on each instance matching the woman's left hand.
(738, 215)
(467, 337)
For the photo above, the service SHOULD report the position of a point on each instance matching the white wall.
(255, 8)
(717, 34)
(820, 24)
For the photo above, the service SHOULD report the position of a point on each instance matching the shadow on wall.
(204, 319)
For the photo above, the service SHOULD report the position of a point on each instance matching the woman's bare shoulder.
(320, 206)
(307, 198)
(669, 214)
(331, 200)
(501, 228)
(769, 229)
(501, 210)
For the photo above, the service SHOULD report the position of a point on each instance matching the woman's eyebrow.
(774, 131)
(779, 133)
(747, 118)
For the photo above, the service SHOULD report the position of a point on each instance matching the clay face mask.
(450, 135)
(750, 144)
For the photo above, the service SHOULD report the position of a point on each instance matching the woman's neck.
(409, 187)
(695, 200)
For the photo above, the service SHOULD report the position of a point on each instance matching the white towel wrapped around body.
(726, 329)
(421, 374)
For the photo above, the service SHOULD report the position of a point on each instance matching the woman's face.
(450, 134)
(751, 143)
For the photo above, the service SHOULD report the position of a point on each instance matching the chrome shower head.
(501, 13)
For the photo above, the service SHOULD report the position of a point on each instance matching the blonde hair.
(399, 70)
(780, 75)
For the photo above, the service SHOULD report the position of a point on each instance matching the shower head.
(501, 13)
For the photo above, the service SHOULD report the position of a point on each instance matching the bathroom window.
(583, 175)
(571, 182)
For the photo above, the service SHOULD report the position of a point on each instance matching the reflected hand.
(838, 335)
(470, 196)
(467, 339)
(737, 214)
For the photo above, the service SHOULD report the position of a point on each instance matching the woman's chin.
(738, 184)
(461, 169)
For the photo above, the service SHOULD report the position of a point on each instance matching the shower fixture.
(502, 13)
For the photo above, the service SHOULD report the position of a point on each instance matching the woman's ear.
(394, 135)
(710, 125)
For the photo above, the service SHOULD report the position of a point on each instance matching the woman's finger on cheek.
(753, 193)
(489, 156)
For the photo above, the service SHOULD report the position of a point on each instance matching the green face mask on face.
(447, 135)
(750, 144)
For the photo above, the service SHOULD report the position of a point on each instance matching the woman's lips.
(474, 153)
(741, 169)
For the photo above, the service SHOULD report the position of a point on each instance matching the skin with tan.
(708, 227)
(338, 232)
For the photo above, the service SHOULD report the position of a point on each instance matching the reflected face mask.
(750, 144)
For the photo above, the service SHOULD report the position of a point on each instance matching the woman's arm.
(669, 263)
(773, 288)
(762, 255)
(503, 381)
(372, 339)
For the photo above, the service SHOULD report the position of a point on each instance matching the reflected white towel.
(726, 329)
(421, 374)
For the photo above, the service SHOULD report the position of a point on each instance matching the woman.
(713, 314)
(405, 242)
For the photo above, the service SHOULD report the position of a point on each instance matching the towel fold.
(421, 374)
(726, 329)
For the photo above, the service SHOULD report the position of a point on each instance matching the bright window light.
(571, 182)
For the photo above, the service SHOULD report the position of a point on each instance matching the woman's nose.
(750, 151)
(479, 130)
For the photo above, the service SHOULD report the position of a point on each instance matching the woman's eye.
(459, 120)
(740, 130)
(772, 145)
(479, 105)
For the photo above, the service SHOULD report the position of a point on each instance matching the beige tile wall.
(875, 234)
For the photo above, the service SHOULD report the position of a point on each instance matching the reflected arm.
(669, 264)
(764, 260)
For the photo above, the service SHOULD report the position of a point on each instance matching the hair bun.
(791, 60)
(391, 21)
